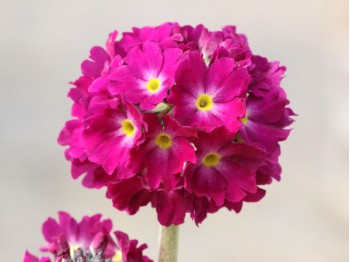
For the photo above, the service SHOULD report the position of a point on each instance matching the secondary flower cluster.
(179, 117)
(89, 240)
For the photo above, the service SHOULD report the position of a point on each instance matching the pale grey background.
(302, 218)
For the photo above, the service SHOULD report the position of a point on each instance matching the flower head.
(181, 118)
(89, 240)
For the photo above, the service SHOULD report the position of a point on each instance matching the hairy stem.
(168, 243)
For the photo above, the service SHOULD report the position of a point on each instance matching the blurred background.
(302, 218)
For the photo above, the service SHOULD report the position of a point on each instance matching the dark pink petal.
(200, 209)
(51, 229)
(264, 136)
(230, 114)
(110, 44)
(129, 194)
(69, 227)
(255, 197)
(171, 60)
(239, 180)
(95, 176)
(190, 75)
(95, 67)
(130, 251)
(205, 182)
(99, 85)
(234, 206)
(153, 57)
(138, 64)
(170, 206)
(217, 75)
(227, 87)
(28, 257)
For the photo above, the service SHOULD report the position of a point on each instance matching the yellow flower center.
(204, 102)
(72, 249)
(117, 257)
(153, 85)
(164, 141)
(211, 159)
(244, 119)
(127, 127)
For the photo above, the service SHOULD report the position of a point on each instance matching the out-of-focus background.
(302, 218)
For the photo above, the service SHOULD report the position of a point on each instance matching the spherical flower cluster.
(179, 117)
(89, 240)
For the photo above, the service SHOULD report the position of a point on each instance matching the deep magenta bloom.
(79, 234)
(224, 170)
(208, 98)
(165, 151)
(109, 136)
(147, 75)
(89, 240)
(267, 113)
(182, 118)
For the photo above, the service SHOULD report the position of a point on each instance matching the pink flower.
(267, 112)
(208, 98)
(224, 170)
(89, 240)
(147, 75)
(109, 136)
(78, 234)
(165, 151)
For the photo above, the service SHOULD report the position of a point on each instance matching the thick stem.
(168, 244)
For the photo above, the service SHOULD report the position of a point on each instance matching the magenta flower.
(165, 151)
(89, 240)
(147, 75)
(223, 170)
(207, 98)
(109, 136)
(267, 113)
(68, 232)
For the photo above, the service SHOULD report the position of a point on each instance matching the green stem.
(168, 244)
